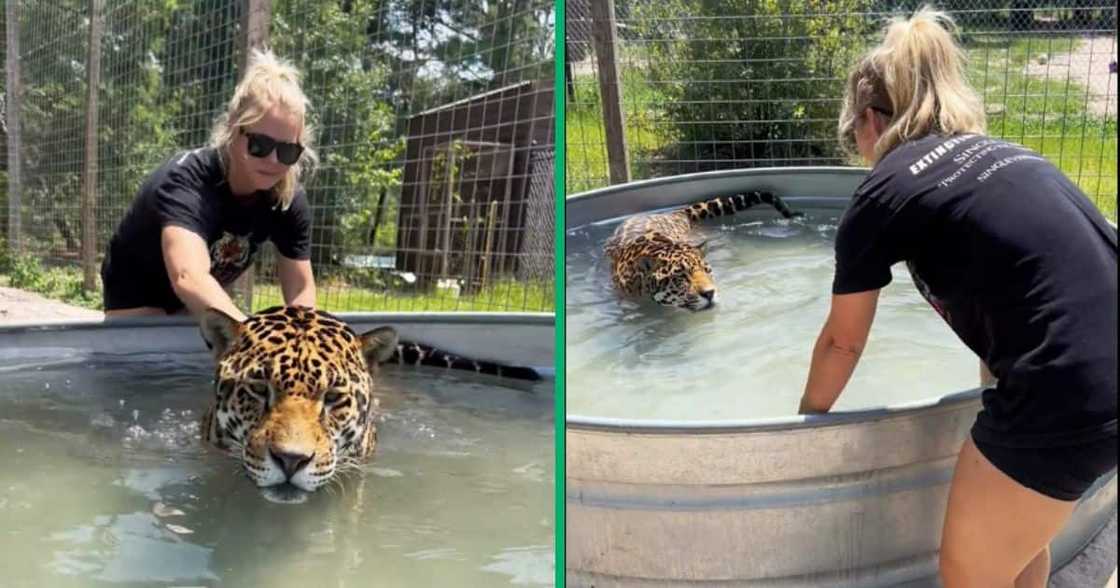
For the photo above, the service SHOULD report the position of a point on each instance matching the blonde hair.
(915, 78)
(268, 81)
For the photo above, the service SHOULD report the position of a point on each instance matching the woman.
(1018, 262)
(199, 219)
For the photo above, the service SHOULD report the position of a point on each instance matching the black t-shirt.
(190, 191)
(1018, 262)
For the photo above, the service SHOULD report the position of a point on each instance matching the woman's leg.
(995, 527)
(1037, 572)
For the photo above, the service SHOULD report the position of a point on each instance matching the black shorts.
(1063, 472)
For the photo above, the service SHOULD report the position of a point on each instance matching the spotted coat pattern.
(294, 391)
(652, 254)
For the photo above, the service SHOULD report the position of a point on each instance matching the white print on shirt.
(1006, 161)
(984, 147)
(978, 152)
(925, 161)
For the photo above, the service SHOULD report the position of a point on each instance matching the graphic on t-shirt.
(229, 256)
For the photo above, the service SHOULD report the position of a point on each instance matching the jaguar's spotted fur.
(293, 395)
(651, 254)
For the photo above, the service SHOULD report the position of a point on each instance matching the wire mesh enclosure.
(666, 87)
(434, 119)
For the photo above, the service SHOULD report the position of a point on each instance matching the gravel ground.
(17, 305)
(1087, 65)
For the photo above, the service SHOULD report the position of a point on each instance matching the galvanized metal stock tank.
(519, 338)
(845, 499)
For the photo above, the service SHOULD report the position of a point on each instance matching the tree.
(751, 82)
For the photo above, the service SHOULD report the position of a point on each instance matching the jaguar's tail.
(410, 353)
(731, 204)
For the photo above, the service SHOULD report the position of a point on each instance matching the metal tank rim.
(523, 338)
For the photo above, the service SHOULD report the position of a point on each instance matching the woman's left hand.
(838, 349)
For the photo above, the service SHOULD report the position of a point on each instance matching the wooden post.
(446, 213)
(13, 98)
(487, 248)
(255, 20)
(371, 239)
(89, 165)
(603, 33)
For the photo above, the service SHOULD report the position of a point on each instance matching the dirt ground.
(1087, 65)
(17, 305)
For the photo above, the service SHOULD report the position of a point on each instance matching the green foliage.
(757, 88)
(1049, 116)
(648, 130)
(502, 295)
(168, 68)
(25, 272)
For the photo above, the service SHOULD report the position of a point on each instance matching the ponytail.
(916, 78)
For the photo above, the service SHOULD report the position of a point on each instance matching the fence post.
(14, 100)
(255, 20)
(89, 165)
(603, 33)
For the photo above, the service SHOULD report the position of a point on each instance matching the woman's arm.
(297, 281)
(188, 267)
(838, 349)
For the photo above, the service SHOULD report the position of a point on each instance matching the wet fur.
(652, 254)
(297, 381)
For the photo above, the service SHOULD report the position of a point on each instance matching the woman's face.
(249, 173)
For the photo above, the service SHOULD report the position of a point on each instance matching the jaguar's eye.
(332, 398)
(259, 389)
(225, 388)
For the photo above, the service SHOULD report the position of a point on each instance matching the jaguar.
(294, 392)
(653, 255)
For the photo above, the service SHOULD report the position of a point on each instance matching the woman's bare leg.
(995, 528)
(1037, 572)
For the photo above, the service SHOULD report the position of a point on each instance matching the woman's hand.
(838, 349)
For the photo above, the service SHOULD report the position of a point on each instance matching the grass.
(1048, 116)
(647, 131)
(65, 284)
(502, 296)
(24, 272)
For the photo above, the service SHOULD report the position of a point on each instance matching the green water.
(104, 483)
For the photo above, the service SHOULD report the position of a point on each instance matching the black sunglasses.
(261, 145)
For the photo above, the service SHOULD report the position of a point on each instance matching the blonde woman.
(200, 218)
(1017, 261)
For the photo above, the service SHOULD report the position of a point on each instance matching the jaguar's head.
(293, 394)
(675, 274)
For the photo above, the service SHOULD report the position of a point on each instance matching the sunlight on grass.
(504, 296)
(1049, 116)
(647, 131)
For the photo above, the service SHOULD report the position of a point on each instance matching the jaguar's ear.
(219, 331)
(378, 345)
(647, 263)
(702, 246)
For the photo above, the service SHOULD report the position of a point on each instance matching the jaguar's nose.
(708, 294)
(290, 462)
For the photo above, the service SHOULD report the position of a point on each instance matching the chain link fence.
(432, 119)
(699, 85)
